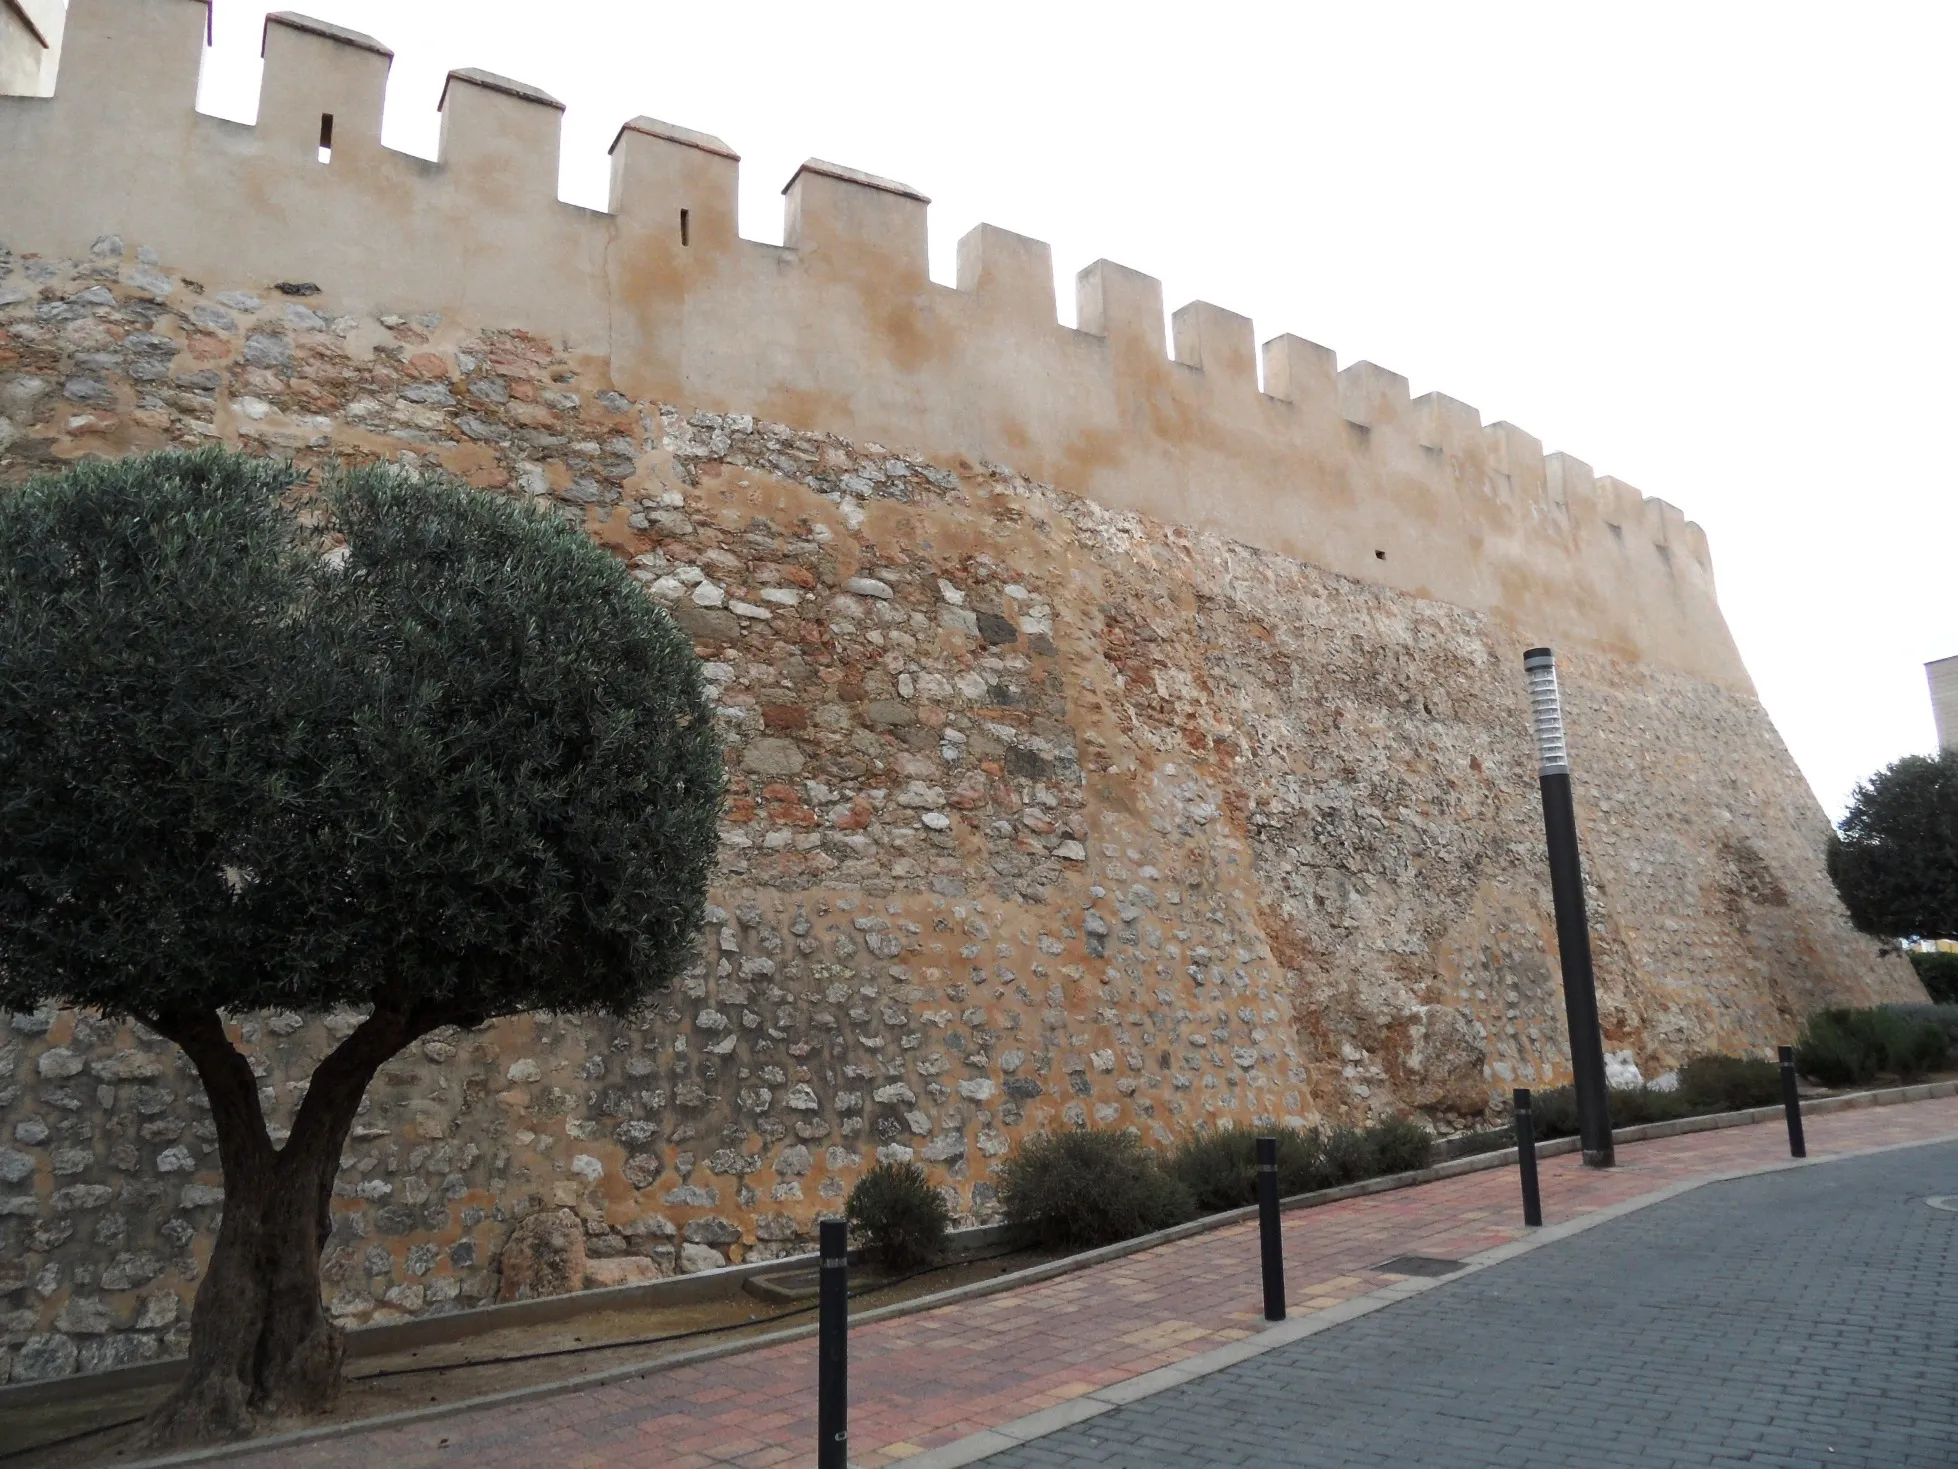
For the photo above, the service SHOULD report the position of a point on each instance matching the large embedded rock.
(620, 1270)
(545, 1256)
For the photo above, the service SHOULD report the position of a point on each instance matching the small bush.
(1636, 1106)
(1944, 1017)
(1348, 1159)
(1220, 1167)
(1555, 1111)
(1398, 1145)
(900, 1218)
(1729, 1083)
(1077, 1190)
(1916, 1049)
(1939, 972)
(1854, 1047)
(1835, 1052)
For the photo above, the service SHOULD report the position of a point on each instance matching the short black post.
(833, 1348)
(1791, 1103)
(1270, 1246)
(1526, 1159)
(1573, 926)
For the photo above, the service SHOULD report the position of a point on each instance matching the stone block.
(544, 1256)
(620, 1270)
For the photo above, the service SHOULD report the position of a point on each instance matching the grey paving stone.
(1792, 1319)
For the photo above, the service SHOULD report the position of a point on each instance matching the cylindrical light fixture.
(1546, 712)
(1567, 894)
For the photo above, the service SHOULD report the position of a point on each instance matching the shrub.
(1728, 1083)
(1944, 1017)
(1852, 1047)
(1077, 1190)
(901, 1219)
(1555, 1111)
(1835, 1052)
(1347, 1158)
(1939, 972)
(1220, 1167)
(1636, 1106)
(1399, 1145)
(1914, 1047)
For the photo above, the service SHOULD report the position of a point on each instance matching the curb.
(91, 1384)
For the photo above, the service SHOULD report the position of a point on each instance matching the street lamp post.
(1567, 893)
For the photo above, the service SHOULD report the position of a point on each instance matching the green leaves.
(463, 760)
(1895, 858)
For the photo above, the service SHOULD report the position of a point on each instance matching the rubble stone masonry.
(1042, 815)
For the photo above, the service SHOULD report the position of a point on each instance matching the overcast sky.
(1707, 248)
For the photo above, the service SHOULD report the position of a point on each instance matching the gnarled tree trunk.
(261, 1345)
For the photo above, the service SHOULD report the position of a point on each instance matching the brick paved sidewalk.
(926, 1380)
(1799, 1318)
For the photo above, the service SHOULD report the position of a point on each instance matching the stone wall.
(1042, 815)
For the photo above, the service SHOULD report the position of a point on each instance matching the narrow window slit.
(684, 240)
(326, 137)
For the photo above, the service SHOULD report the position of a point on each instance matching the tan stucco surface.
(840, 327)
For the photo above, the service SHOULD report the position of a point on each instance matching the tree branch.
(340, 1080)
(244, 1145)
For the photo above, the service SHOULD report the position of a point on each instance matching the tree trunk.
(261, 1345)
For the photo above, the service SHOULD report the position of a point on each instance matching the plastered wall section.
(1042, 814)
(30, 46)
(840, 328)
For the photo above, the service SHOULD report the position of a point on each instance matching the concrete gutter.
(461, 1325)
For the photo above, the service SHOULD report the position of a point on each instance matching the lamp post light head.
(1546, 712)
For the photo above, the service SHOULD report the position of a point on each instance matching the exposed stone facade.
(1041, 815)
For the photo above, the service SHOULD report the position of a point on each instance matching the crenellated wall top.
(840, 326)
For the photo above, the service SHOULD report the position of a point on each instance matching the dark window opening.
(683, 228)
(326, 137)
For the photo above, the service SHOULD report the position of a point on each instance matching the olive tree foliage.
(1895, 855)
(391, 745)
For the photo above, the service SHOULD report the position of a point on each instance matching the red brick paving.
(923, 1380)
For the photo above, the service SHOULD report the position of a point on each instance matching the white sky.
(1704, 247)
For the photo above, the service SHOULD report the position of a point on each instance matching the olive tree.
(1895, 856)
(389, 744)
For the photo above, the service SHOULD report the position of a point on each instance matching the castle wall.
(1042, 814)
(840, 328)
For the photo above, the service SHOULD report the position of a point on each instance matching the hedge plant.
(1854, 1047)
(1078, 1190)
(900, 1218)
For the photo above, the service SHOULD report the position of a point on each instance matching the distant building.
(1943, 675)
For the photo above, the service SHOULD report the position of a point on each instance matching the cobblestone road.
(1797, 1318)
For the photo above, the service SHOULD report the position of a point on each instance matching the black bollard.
(1270, 1246)
(833, 1348)
(1791, 1103)
(1526, 1159)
